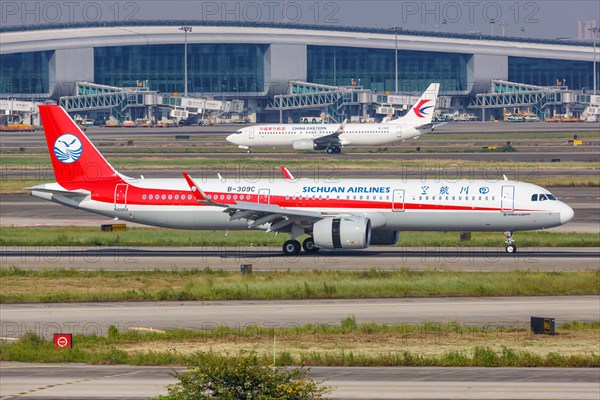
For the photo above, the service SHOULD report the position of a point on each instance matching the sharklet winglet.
(199, 193)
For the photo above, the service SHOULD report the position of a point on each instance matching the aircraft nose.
(566, 214)
(231, 138)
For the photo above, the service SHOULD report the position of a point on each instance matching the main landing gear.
(292, 247)
(334, 150)
(511, 247)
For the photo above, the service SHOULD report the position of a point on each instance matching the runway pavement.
(271, 258)
(76, 381)
(95, 318)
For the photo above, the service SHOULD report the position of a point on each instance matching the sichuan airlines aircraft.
(342, 214)
(332, 137)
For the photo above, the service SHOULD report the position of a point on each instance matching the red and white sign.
(63, 340)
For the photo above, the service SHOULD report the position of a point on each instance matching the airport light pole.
(396, 28)
(503, 25)
(594, 32)
(185, 30)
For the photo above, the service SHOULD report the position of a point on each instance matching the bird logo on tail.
(68, 148)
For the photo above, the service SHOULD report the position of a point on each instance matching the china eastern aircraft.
(337, 214)
(332, 137)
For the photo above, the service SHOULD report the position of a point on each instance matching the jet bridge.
(121, 101)
(332, 99)
(539, 99)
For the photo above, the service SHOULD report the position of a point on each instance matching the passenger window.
(534, 197)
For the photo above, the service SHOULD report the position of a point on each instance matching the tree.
(214, 377)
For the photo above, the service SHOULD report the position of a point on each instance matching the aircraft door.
(251, 133)
(508, 198)
(398, 200)
(398, 130)
(121, 197)
(264, 196)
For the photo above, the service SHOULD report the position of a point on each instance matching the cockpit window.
(542, 197)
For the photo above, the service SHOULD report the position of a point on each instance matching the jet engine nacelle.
(307, 144)
(342, 233)
(304, 144)
(384, 237)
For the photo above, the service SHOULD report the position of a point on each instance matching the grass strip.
(343, 344)
(325, 163)
(47, 286)
(259, 240)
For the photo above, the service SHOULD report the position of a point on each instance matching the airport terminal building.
(254, 61)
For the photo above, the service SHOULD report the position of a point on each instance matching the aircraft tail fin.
(421, 112)
(76, 161)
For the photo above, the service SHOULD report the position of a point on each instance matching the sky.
(549, 19)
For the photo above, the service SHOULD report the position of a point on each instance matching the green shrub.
(244, 376)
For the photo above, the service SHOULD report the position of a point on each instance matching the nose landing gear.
(511, 247)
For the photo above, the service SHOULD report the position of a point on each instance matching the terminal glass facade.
(26, 73)
(212, 68)
(375, 68)
(547, 72)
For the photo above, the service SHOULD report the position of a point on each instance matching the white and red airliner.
(332, 137)
(344, 214)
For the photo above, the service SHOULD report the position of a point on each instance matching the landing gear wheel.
(309, 246)
(337, 150)
(291, 247)
(330, 150)
(511, 247)
(248, 151)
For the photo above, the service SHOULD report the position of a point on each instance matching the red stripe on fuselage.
(162, 197)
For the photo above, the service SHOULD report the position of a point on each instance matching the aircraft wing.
(280, 218)
(332, 138)
(257, 214)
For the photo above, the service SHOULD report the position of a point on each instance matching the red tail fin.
(77, 163)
